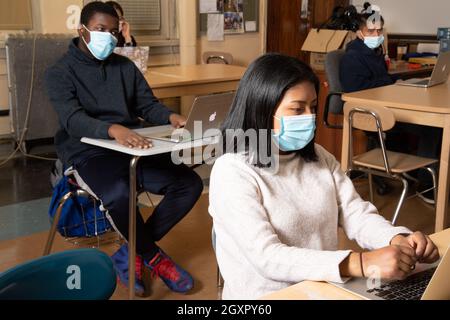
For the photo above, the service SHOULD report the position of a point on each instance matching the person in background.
(276, 228)
(125, 39)
(100, 95)
(364, 67)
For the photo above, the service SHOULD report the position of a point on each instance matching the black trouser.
(108, 177)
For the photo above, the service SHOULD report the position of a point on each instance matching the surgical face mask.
(374, 42)
(296, 132)
(102, 44)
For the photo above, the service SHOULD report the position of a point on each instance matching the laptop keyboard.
(423, 82)
(412, 288)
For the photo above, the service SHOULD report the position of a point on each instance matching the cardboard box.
(319, 43)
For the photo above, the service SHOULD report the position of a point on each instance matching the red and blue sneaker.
(176, 278)
(120, 261)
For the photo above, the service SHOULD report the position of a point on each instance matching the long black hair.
(259, 94)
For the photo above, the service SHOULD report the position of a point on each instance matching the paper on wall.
(215, 27)
(207, 6)
(250, 26)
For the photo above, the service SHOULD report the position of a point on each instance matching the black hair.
(259, 94)
(366, 14)
(116, 6)
(95, 7)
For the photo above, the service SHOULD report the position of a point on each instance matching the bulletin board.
(250, 10)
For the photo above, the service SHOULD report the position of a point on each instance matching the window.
(15, 15)
(151, 19)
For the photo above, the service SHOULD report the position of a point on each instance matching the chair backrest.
(332, 67)
(85, 274)
(217, 57)
(370, 118)
(22, 51)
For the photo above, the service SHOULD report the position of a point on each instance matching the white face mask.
(102, 44)
(374, 42)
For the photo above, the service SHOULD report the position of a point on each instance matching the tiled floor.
(189, 243)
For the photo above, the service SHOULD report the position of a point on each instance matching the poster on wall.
(233, 16)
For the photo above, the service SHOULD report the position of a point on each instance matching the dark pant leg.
(429, 141)
(108, 177)
(180, 186)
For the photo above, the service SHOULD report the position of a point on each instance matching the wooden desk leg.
(442, 199)
(345, 145)
(132, 230)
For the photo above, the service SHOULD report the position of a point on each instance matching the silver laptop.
(440, 74)
(428, 282)
(204, 121)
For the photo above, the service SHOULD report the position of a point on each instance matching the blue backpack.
(79, 217)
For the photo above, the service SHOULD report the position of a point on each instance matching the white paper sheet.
(215, 27)
(250, 26)
(207, 6)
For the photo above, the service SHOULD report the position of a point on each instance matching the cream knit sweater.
(275, 230)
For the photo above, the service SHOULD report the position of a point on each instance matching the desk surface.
(159, 147)
(435, 99)
(401, 68)
(197, 74)
(309, 290)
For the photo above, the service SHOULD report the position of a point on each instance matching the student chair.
(72, 275)
(80, 190)
(217, 57)
(334, 103)
(381, 162)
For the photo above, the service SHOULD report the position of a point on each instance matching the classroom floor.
(25, 194)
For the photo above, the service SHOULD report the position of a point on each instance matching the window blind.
(143, 15)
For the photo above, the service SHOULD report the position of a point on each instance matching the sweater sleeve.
(236, 206)
(359, 219)
(355, 76)
(147, 105)
(73, 118)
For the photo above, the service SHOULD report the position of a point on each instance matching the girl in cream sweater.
(277, 222)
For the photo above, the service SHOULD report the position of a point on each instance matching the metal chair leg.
(52, 232)
(402, 199)
(435, 185)
(219, 279)
(371, 188)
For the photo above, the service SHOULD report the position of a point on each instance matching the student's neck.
(83, 48)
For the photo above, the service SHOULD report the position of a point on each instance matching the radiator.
(43, 122)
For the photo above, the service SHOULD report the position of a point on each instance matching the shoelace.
(138, 267)
(166, 269)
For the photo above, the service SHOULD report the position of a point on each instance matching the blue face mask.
(102, 44)
(296, 132)
(374, 42)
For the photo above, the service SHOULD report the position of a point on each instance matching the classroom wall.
(58, 16)
(413, 16)
(244, 47)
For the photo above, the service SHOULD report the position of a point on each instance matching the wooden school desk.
(429, 107)
(195, 80)
(310, 290)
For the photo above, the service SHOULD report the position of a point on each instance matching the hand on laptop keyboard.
(425, 250)
(393, 262)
